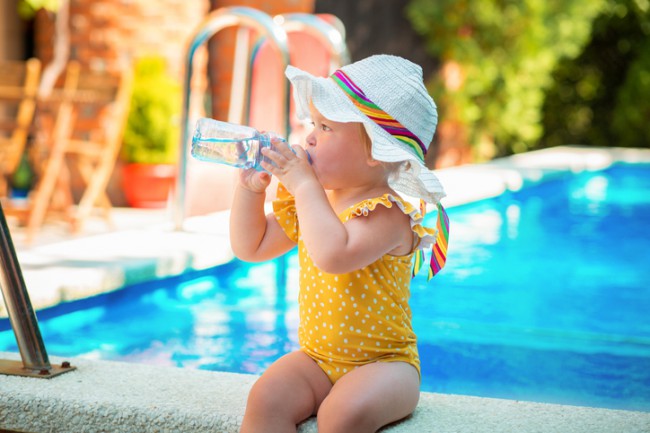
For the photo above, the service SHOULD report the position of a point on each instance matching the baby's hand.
(253, 180)
(292, 167)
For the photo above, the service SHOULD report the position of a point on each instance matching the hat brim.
(413, 179)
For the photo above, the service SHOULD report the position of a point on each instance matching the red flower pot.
(148, 185)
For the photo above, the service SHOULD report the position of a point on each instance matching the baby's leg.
(370, 397)
(289, 391)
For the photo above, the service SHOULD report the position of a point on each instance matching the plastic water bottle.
(231, 144)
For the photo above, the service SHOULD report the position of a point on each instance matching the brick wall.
(12, 43)
(112, 34)
(106, 34)
(109, 34)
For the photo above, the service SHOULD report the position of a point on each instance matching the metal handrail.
(216, 21)
(34, 360)
(331, 35)
(19, 307)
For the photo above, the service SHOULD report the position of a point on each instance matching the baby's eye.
(325, 127)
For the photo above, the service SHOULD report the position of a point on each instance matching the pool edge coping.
(472, 182)
(121, 397)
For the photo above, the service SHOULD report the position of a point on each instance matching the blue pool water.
(546, 297)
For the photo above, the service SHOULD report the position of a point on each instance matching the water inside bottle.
(236, 148)
(231, 144)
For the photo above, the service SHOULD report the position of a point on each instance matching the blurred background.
(100, 88)
(508, 76)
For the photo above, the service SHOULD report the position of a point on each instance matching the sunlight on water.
(545, 297)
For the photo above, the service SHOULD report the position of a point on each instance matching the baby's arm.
(338, 248)
(333, 246)
(254, 236)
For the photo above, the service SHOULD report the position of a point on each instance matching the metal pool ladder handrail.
(215, 22)
(332, 35)
(35, 362)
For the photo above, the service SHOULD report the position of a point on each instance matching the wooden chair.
(18, 87)
(90, 111)
(97, 149)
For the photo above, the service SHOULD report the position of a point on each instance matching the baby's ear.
(373, 162)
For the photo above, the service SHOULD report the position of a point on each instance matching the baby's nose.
(311, 140)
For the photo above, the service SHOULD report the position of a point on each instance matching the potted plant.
(151, 136)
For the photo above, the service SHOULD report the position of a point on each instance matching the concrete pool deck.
(103, 396)
(110, 396)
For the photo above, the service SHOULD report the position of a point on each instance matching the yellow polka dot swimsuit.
(349, 320)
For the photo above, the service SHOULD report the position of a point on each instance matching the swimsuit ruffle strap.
(429, 238)
(284, 209)
(436, 239)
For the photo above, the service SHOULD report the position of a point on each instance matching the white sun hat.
(387, 94)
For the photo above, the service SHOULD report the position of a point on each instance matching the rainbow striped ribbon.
(377, 115)
(439, 250)
(401, 133)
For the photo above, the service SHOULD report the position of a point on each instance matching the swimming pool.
(545, 298)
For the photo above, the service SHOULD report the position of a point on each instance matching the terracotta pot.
(148, 185)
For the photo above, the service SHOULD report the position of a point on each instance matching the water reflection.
(545, 290)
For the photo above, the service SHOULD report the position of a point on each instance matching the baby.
(357, 368)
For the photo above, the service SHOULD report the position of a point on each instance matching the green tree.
(507, 51)
(602, 97)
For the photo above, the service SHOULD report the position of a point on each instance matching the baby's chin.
(321, 179)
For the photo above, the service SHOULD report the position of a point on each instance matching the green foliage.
(152, 131)
(602, 98)
(507, 50)
(23, 177)
(28, 8)
(630, 118)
